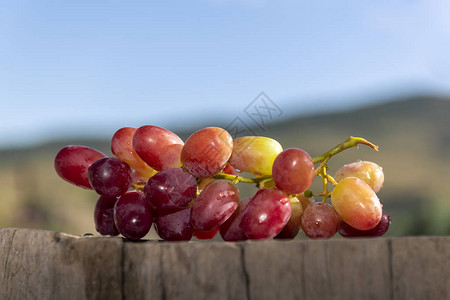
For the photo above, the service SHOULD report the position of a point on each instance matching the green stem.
(138, 186)
(351, 142)
(323, 159)
(241, 179)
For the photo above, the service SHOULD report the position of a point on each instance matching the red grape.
(347, 231)
(356, 203)
(292, 227)
(174, 226)
(110, 176)
(171, 189)
(319, 220)
(72, 163)
(293, 171)
(104, 216)
(266, 214)
(132, 215)
(207, 151)
(206, 235)
(122, 147)
(158, 147)
(230, 230)
(214, 205)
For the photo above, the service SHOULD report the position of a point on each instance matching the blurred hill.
(413, 135)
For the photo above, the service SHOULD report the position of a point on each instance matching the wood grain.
(37, 264)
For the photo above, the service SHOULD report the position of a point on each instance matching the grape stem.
(320, 171)
(236, 179)
(138, 186)
(350, 143)
(323, 174)
(324, 158)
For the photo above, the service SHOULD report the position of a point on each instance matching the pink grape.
(293, 171)
(110, 176)
(72, 164)
(122, 147)
(206, 235)
(158, 147)
(207, 151)
(369, 172)
(320, 221)
(171, 189)
(132, 215)
(174, 226)
(347, 231)
(104, 216)
(214, 205)
(230, 230)
(266, 214)
(356, 203)
(292, 227)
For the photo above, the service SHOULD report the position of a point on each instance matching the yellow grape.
(370, 172)
(356, 203)
(255, 154)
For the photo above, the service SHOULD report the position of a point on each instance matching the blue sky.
(69, 68)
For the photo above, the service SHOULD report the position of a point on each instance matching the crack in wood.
(245, 272)
(5, 273)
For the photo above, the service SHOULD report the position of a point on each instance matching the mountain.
(413, 135)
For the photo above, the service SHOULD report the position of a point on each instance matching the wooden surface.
(37, 264)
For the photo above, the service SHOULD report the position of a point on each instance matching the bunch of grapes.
(187, 189)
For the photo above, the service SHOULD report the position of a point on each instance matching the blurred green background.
(412, 134)
(73, 73)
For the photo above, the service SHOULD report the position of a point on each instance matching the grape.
(158, 147)
(72, 163)
(369, 172)
(347, 231)
(104, 216)
(305, 201)
(255, 154)
(266, 214)
(320, 220)
(122, 147)
(174, 226)
(292, 227)
(206, 235)
(293, 171)
(230, 230)
(207, 151)
(230, 170)
(132, 215)
(356, 203)
(214, 205)
(110, 176)
(171, 189)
